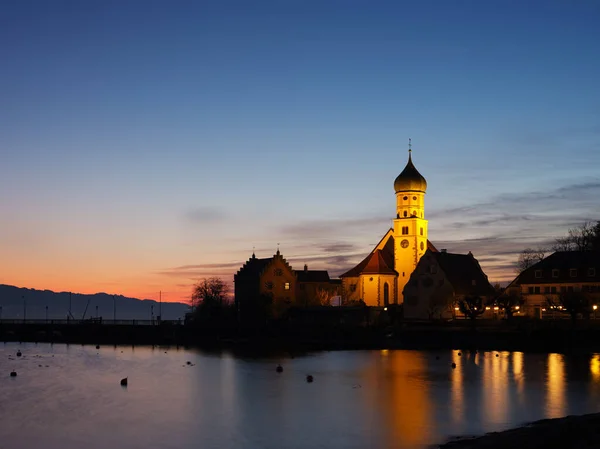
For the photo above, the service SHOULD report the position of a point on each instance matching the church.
(379, 279)
(405, 268)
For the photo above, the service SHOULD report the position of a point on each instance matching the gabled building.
(562, 271)
(379, 278)
(439, 281)
(274, 277)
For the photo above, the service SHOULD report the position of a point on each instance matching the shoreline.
(569, 432)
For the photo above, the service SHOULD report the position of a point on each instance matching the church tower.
(410, 226)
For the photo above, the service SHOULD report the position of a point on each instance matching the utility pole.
(114, 308)
(160, 305)
(70, 315)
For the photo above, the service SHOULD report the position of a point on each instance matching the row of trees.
(585, 237)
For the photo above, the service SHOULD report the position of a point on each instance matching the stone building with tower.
(379, 279)
(382, 277)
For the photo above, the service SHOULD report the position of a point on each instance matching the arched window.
(405, 214)
(386, 294)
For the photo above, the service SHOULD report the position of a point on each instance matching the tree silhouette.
(471, 306)
(529, 257)
(509, 303)
(574, 303)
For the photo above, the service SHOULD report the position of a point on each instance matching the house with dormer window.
(561, 272)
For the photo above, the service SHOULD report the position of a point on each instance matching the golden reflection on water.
(495, 387)
(595, 367)
(555, 386)
(457, 392)
(407, 409)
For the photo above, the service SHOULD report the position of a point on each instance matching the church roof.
(377, 262)
(464, 273)
(387, 256)
(410, 180)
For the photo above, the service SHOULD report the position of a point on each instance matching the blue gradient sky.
(147, 144)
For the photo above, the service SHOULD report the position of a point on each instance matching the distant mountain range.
(15, 302)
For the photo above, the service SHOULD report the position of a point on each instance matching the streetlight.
(595, 307)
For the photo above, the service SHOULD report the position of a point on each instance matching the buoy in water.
(309, 378)
(124, 382)
(97, 346)
(19, 354)
(188, 363)
(279, 369)
(13, 374)
(437, 357)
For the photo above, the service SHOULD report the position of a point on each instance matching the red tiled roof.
(374, 263)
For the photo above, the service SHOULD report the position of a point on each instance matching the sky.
(146, 145)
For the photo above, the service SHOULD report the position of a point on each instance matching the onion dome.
(410, 180)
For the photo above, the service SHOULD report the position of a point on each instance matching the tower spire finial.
(409, 146)
(278, 249)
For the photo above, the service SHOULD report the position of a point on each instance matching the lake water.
(69, 397)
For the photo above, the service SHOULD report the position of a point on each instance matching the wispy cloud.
(205, 215)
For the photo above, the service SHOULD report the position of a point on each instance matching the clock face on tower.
(404, 243)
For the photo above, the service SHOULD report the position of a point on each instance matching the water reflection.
(555, 384)
(380, 399)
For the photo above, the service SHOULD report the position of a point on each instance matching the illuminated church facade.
(379, 279)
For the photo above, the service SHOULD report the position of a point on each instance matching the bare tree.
(573, 303)
(528, 258)
(210, 293)
(581, 238)
(323, 296)
(471, 306)
(509, 302)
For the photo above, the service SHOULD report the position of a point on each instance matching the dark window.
(421, 231)
(352, 287)
(269, 285)
(405, 198)
(405, 214)
(570, 289)
(563, 289)
(538, 274)
(552, 289)
(404, 230)
(422, 246)
(555, 273)
(591, 272)
(530, 290)
(278, 272)
(594, 288)
(536, 290)
(573, 272)
(546, 289)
